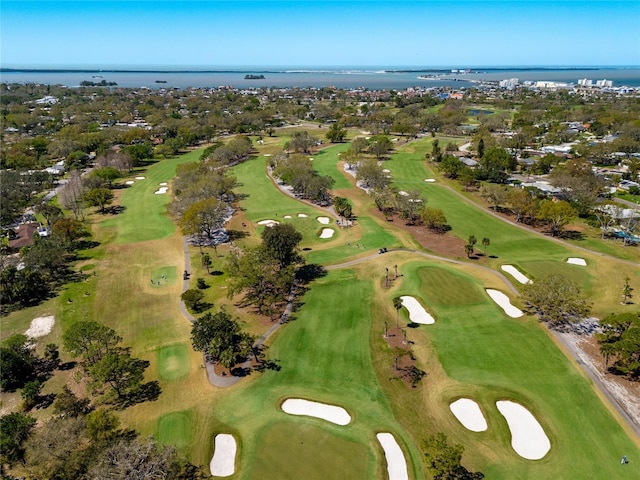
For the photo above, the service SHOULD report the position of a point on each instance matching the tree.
(556, 214)
(481, 148)
(17, 362)
(69, 230)
(620, 339)
(15, 428)
(119, 370)
(397, 304)
(496, 195)
(436, 151)
(206, 261)
(468, 249)
(342, 207)
(72, 194)
(556, 300)
(31, 394)
(626, 291)
(50, 212)
(336, 134)
(69, 405)
(192, 298)
(579, 184)
(379, 145)
(90, 340)
(485, 243)
(451, 166)
(371, 175)
(443, 459)
(302, 141)
(99, 197)
(522, 202)
(107, 175)
(131, 459)
(220, 337)
(204, 217)
(434, 218)
(494, 165)
(280, 242)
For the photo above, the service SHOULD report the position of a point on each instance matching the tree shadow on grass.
(148, 392)
(240, 372)
(571, 235)
(237, 234)
(307, 273)
(114, 209)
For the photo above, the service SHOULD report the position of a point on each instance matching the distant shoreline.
(311, 70)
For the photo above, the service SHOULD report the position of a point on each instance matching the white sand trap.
(386, 170)
(330, 413)
(396, 464)
(129, 182)
(324, 220)
(268, 222)
(139, 178)
(161, 191)
(302, 215)
(527, 436)
(515, 273)
(267, 154)
(224, 455)
(577, 261)
(430, 180)
(40, 326)
(403, 193)
(469, 414)
(503, 302)
(417, 313)
(287, 216)
(163, 184)
(326, 233)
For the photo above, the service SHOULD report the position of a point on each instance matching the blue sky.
(313, 33)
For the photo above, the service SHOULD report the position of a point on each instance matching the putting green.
(316, 451)
(173, 362)
(174, 429)
(164, 276)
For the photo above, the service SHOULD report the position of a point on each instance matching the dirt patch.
(404, 365)
(443, 244)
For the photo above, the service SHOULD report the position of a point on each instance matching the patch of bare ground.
(624, 391)
(443, 244)
(404, 365)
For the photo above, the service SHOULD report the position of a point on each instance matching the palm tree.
(468, 248)
(485, 243)
(397, 304)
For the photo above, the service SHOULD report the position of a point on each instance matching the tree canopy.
(556, 300)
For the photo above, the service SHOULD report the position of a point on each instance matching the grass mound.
(173, 362)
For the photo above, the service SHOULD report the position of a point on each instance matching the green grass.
(493, 357)
(175, 429)
(311, 452)
(170, 276)
(325, 356)
(173, 361)
(325, 163)
(145, 217)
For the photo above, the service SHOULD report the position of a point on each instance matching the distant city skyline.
(210, 34)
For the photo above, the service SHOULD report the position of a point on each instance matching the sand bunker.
(323, 220)
(417, 313)
(577, 261)
(515, 273)
(224, 455)
(267, 154)
(403, 193)
(503, 302)
(302, 215)
(527, 436)
(326, 233)
(469, 414)
(268, 223)
(161, 191)
(396, 464)
(129, 182)
(40, 326)
(287, 216)
(330, 413)
(139, 178)
(163, 184)
(430, 180)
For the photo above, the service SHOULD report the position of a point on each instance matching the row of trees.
(297, 171)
